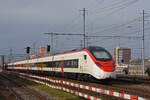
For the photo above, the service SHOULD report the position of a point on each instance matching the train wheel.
(86, 78)
(53, 74)
(90, 78)
(80, 77)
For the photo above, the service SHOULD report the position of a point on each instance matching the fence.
(76, 85)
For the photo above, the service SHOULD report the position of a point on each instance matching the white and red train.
(90, 62)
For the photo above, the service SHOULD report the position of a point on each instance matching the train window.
(76, 63)
(44, 65)
(48, 64)
(53, 64)
(38, 65)
(24, 65)
(33, 64)
(66, 64)
(70, 63)
(85, 57)
(58, 64)
(101, 55)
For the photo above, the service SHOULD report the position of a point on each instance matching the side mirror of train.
(85, 57)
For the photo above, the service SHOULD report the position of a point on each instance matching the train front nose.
(100, 74)
(106, 75)
(108, 70)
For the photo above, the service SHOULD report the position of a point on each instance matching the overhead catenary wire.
(122, 7)
(113, 3)
(113, 26)
(118, 5)
(132, 32)
(112, 11)
(124, 3)
(106, 38)
(95, 4)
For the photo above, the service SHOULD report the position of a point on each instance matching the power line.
(136, 31)
(117, 5)
(61, 34)
(118, 26)
(122, 7)
(96, 36)
(114, 10)
(65, 34)
(108, 7)
(98, 3)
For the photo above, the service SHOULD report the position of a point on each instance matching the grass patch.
(57, 94)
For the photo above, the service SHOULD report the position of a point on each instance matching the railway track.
(125, 86)
(140, 78)
(16, 91)
(128, 86)
(7, 92)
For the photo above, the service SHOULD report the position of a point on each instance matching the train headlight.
(98, 64)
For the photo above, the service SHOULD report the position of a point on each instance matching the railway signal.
(28, 50)
(48, 48)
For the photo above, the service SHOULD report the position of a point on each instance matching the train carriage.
(90, 62)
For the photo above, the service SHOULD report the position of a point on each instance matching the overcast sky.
(23, 22)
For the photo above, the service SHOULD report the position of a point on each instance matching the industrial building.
(122, 55)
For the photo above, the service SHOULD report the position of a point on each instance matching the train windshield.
(102, 55)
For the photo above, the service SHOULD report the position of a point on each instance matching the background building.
(122, 55)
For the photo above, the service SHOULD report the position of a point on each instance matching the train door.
(83, 63)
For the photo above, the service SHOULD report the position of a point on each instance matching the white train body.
(77, 62)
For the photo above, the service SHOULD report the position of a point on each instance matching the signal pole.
(10, 57)
(143, 49)
(84, 26)
(81, 43)
(52, 37)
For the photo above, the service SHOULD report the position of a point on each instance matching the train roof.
(95, 48)
(90, 48)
